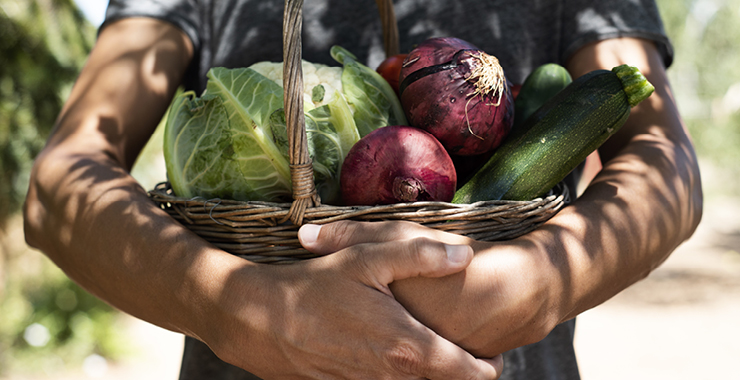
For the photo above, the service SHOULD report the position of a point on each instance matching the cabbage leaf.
(220, 145)
(232, 142)
(376, 104)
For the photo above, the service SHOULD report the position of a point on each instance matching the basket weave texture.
(266, 232)
(254, 230)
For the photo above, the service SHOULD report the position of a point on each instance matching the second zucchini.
(558, 136)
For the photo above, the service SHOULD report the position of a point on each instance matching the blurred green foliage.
(706, 80)
(43, 43)
(47, 322)
(50, 324)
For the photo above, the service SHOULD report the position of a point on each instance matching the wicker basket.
(267, 232)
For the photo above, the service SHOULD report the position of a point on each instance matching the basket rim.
(256, 231)
(218, 208)
(164, 189)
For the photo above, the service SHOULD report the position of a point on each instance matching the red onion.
(458, 93)
(397, 164)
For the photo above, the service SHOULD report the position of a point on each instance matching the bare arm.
(83, 209)
(334, 315)
(647, 199)
(644, 203)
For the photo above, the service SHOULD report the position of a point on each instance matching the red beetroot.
(397, 164)
(458, 93)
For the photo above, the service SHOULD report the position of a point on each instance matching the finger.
(382, 263)
(441, 359)
(336, 236)
(497, 362)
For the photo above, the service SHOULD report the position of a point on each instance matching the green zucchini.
(558, 136)
(541, 85)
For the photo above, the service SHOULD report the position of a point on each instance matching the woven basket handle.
(390, 27)
(301, 168)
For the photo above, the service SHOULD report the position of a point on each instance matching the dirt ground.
(682, 322)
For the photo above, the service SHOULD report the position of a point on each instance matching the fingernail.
(457, 253)
(309, 233)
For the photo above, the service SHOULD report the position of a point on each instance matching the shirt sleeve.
(586, 21)
(181, 13)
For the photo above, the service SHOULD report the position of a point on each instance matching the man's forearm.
(646, 200)
(95, 222)
(309, 319)
(642, 205)
(82, 208)
(329, 315)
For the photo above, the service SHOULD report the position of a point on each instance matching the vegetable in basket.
(231, 142)
(458, 93)
(376, 103)
(540, 85)
(558, 136)
(390, 69)
(397, 164)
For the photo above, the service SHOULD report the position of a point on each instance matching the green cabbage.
(376, 104)
(231, 142)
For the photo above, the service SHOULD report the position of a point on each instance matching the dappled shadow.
(83, 210)
(155, 246)
(617, 224)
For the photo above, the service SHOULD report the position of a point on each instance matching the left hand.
(498, 303)
(515, 292)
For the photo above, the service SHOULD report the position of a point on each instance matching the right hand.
(327, 318)
(335, 317)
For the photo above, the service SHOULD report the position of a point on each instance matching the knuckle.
(425, 251)
(397, 225)
(341, 234)
(470, 374)
(361, 261)
(405, 358)
(423, 246)
(341, 229)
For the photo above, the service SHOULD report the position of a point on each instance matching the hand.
(329, 318)
(515, 292)
(335, 317)
(501, 301)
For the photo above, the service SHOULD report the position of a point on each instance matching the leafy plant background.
(705, 77)
(48, 323)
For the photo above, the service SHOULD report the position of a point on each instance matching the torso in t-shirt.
(521, 34)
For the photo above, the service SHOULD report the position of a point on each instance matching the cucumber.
(558, 136)
(541, 85)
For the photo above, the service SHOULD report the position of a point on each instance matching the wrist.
(578, 273)
(548, 275)
(542, 278)
(209, 278)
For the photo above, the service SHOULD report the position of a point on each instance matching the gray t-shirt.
(521, 34)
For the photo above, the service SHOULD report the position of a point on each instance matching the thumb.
(385, 262)
(332, 237)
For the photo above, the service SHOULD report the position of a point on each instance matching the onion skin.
(397, 164)
(443, 98)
